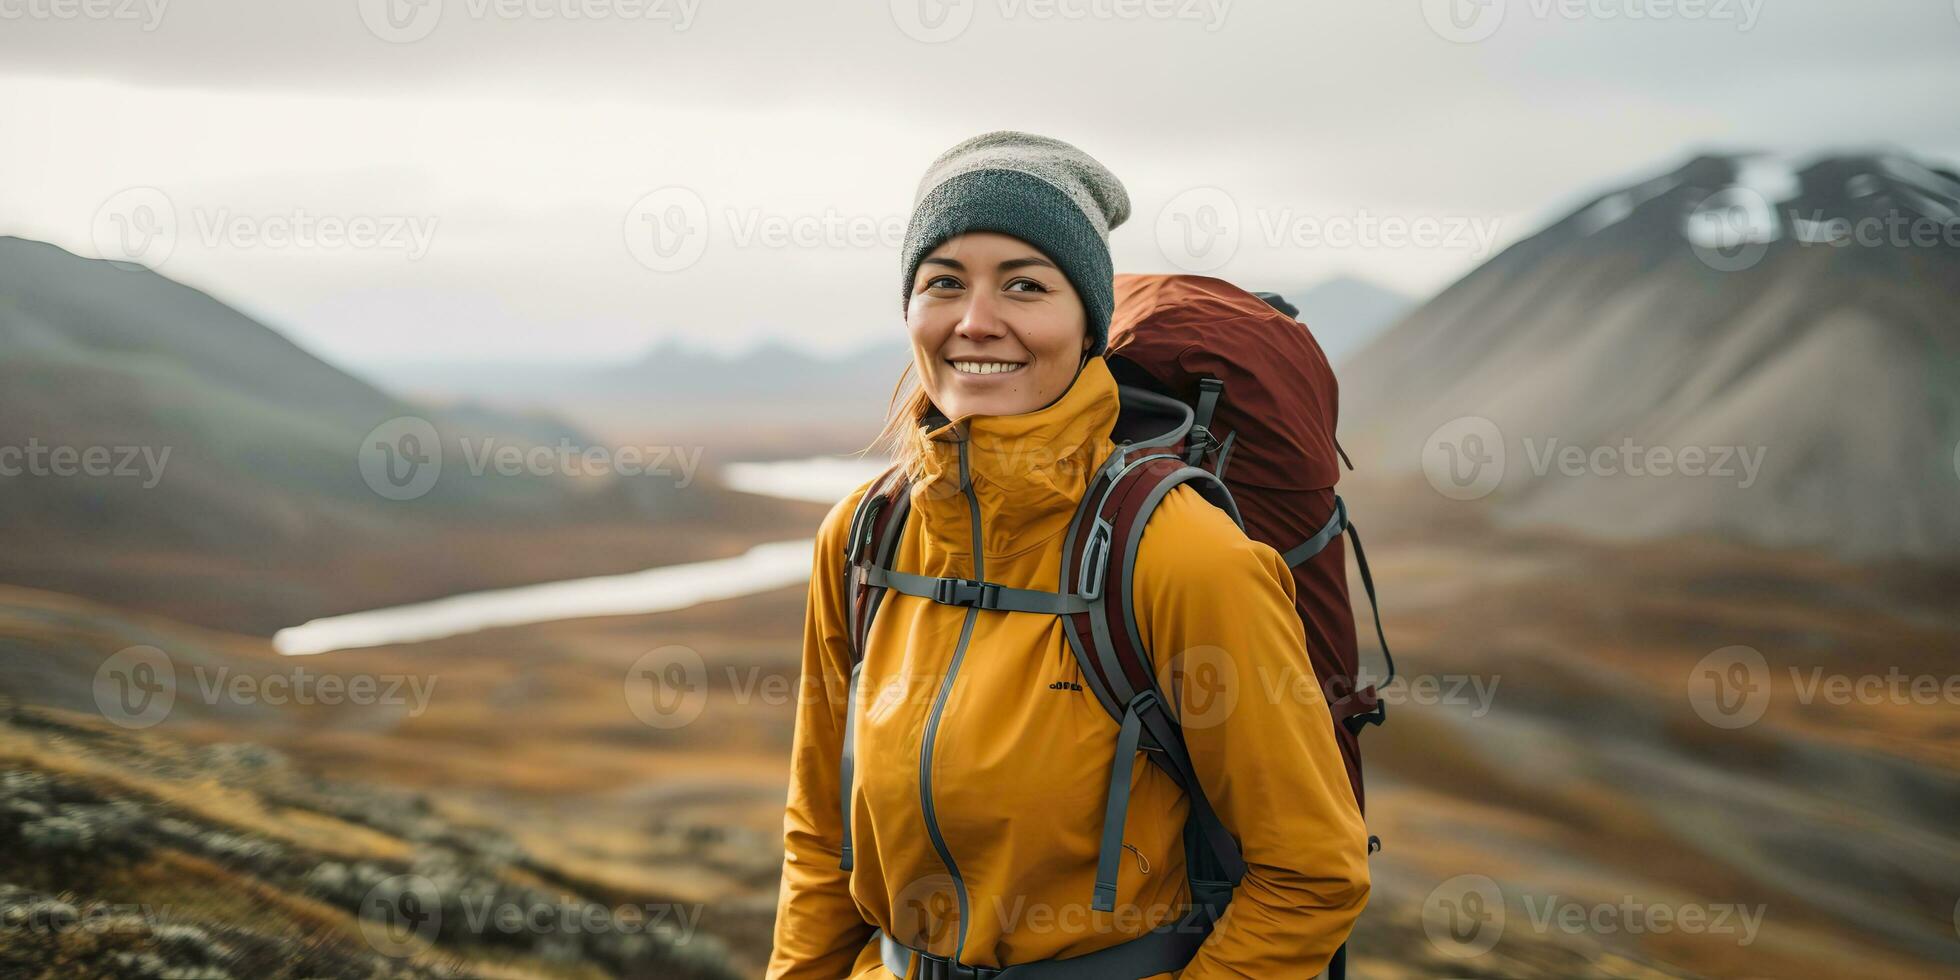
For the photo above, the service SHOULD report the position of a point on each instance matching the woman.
(980, 762)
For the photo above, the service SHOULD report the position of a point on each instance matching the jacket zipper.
(939, 709)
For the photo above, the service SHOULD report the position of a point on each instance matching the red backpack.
(1226, 391)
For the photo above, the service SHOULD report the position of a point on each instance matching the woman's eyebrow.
(1012, 264)
(1006, 266)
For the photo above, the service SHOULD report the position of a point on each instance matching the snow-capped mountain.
(1746, 345)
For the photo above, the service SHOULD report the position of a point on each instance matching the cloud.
(525, 133)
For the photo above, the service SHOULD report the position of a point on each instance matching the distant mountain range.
(1345, 313)
(263, 440)
(1749, 318)
(164, 450)
(772, 401)
(780, 400)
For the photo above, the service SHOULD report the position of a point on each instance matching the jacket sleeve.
(1229, 649)
(819, 930)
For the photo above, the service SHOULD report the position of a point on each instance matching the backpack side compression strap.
(1362, 707)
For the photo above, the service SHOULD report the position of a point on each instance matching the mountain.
(1345, 313)
(781, 399)
(162, 449)
(1784, 329)
(770, 401)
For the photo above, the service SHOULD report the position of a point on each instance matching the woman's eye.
(1036, 287)
(942, 282)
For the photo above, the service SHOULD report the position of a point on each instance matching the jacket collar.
(1028, 471)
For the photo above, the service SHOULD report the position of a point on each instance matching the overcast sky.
(394, 181)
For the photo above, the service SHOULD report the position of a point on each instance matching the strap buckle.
(932, 967)
(966, 592)
(1361, 709)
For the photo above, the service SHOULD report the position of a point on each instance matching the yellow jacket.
(982, 762)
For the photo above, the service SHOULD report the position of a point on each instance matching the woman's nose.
(981, 317)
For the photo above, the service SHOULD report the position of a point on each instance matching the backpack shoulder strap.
(876, 526)
(1098, 564)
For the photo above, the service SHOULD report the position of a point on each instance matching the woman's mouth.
(985, 368)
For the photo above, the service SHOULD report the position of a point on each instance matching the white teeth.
(984, 367)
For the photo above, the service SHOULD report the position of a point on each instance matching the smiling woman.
(953, 809)
(1006, 261)
(996, 327)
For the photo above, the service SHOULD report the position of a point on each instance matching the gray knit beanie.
(1040, 190)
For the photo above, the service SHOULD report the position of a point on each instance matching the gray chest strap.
(970, 592)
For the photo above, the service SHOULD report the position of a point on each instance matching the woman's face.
(996, 328)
